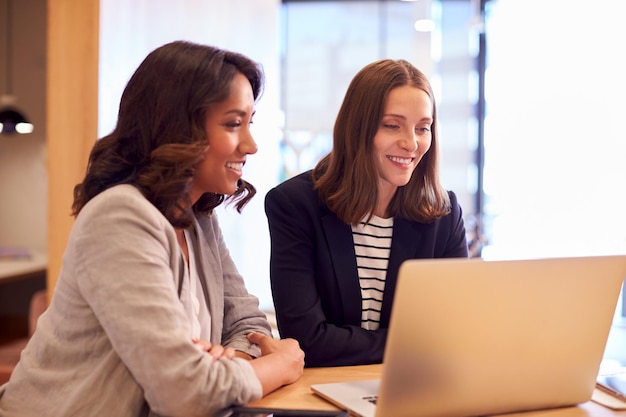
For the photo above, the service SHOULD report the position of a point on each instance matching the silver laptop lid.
(474, 337)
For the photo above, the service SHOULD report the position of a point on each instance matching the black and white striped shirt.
(372, 244)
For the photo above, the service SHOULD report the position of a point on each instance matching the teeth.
(234, 165)
(400, 160)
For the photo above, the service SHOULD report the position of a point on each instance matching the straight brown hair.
(346, 178)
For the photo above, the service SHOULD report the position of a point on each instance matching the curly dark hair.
(159, 139)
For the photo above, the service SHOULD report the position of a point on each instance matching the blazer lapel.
(407, 238)
(210, 267)
(341, 246)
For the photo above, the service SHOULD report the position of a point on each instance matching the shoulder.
(119, 223)
(119, 204)
(295, 197)
(454, 201)
(454, 218)
(298, 188)
(118, 194)
(455, 207)
(298, 182)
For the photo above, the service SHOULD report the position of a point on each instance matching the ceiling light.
(424, 25)
(11, 119)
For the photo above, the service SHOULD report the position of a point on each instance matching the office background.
(542, 174)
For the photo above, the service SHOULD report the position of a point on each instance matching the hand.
(281, 361)
(216, 351)
(270, 345)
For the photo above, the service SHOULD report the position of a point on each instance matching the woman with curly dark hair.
(149, 314)
(340, 231)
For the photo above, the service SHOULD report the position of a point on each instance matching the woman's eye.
(423, 129)
(234, 124)
(390, 126)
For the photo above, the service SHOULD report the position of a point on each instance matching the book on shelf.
(15, 252)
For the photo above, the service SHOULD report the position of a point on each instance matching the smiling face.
(403, 137)
(230, 141)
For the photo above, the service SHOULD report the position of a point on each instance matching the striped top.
(372, 244)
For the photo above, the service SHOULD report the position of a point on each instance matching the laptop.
(470, 337)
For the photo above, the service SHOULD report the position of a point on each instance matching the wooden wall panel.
(72, 113)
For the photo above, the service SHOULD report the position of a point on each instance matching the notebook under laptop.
(474, 337)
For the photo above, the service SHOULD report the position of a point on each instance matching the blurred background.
(530, 95)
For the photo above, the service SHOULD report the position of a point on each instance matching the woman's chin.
(230, 190)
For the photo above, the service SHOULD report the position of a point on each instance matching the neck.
(382, 205)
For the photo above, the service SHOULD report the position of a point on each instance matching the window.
(553, 174)
(554, 146)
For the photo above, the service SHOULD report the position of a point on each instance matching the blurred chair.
(10, 352)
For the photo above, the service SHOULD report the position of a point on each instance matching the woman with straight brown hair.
(340, 231)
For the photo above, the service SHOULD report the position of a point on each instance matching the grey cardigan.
(115, 339)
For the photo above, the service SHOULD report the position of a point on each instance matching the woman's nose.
(410, 142)
(248, 145)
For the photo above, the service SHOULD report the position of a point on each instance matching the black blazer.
(313, 272)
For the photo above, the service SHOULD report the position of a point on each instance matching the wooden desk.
(299, 395)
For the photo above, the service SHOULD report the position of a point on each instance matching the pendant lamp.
(12, 120)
